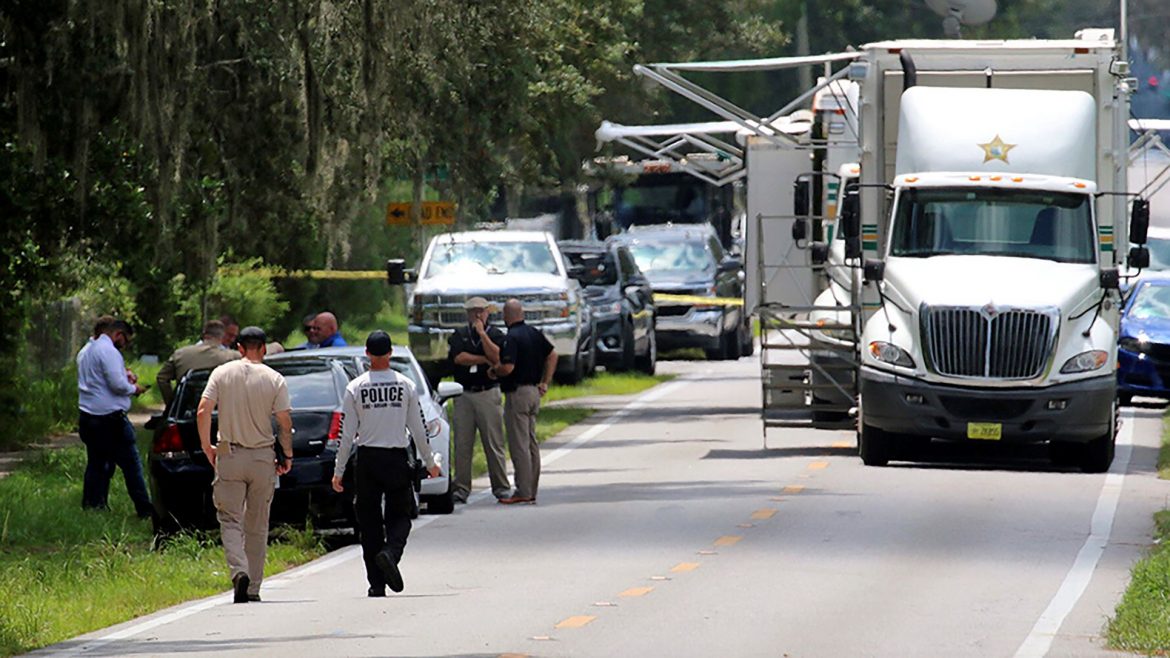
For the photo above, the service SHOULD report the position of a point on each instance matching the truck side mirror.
(819, 253)
(800, 230)
(1139, 257)
(1139, 221)
(397, 274)
(1110, 279)
(874, 270)
(851, 215)
(801, 197)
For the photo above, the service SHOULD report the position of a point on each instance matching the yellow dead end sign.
(433, 213)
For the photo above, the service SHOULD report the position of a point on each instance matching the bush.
(243, 290)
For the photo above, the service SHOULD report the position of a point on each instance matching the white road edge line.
(1039, 641)
(350, 552)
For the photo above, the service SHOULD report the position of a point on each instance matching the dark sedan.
(180, 475)
(1144, 354)
(688, 263)
(622, 302)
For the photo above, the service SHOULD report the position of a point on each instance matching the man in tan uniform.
(248, 394)
(206, 354)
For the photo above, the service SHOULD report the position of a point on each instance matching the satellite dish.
(957, 13)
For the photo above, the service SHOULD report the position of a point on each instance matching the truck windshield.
(478, 258)
(672, 256)
(993, 222)
(654, 201)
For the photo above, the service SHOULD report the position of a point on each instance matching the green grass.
(1142, 619)
(64, 572)
(606, 383)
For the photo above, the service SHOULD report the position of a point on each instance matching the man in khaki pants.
(527, 364)
(248, 394)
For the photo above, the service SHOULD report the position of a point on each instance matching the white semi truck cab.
(993, 210)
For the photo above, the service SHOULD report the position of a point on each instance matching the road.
(664, 528)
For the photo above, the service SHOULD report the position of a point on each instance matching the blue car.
(1144, 354)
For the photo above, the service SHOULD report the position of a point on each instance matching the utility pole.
(805, 79)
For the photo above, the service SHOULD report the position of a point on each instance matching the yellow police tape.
(664, 298)
(279, 273)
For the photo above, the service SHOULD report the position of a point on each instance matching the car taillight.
(334, 438)
(170, 440)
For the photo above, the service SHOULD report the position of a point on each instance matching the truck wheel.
(649, 363)
(1098, 453)
(873, 445)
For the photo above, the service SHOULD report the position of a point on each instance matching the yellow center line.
(816, 466)
(794, 488)
(728, 540)
(685, 566)
(843, 444)
(576, 621)
(765, 513)
(637, 591)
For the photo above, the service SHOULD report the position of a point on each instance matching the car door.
(636, 289)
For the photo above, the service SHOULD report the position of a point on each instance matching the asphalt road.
(665, 528)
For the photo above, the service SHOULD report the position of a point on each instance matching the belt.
(477, 389)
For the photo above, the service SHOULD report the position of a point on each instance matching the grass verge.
(64, 572)
(606, 383)
(1142, 619)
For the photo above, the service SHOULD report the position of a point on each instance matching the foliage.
(1142, 621)
(606, 383)
(65, 572)
(243, 290)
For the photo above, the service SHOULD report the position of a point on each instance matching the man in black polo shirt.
(474, 349)
(526, 368)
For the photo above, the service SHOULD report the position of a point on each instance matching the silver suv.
(498, 265)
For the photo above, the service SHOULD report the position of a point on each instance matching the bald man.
(324, 328)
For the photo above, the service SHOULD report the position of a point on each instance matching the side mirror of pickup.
(1110, 279)
(577, 272)
(1139, 221)
(398, 274)
(731, 265)
(448, 390)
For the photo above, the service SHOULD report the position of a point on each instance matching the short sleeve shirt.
(467, 340)
(526, 347)
(247, 395)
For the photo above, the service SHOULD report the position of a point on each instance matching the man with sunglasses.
(104, 389)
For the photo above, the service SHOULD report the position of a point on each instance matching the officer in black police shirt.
(474, 350)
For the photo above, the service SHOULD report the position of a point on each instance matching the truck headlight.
(891, 354)
(1085, 362)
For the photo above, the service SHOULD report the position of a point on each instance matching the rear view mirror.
(1139, 221)
(874, 270)
(730, 265)
(1139, 257)
(448, 390)
(577, 272)
(397, 274)
(1110, 279)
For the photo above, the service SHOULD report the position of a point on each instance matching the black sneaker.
(376, 592)
(240, 582)
(389, 569)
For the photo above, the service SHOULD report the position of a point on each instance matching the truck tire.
(1097, 455)
(873, 445)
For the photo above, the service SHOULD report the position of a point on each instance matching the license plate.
(985, 431)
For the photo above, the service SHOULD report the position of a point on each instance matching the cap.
(378, 343)
(252, 334)
(478, 302)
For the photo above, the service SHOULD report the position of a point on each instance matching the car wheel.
(649, 362)
(626, 360)
(442, 503)
(873, 445)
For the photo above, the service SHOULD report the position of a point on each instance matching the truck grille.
(1000, 344)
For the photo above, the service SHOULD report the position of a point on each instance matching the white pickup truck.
(496, 265)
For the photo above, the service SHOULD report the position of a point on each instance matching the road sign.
(433, 213)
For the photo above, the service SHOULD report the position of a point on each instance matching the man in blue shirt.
(104, 388)
(325, 330)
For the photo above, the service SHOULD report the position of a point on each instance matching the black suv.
(687, 261)
(621, 300)
(180, 474)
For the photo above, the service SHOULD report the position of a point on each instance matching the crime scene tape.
(665, 298)
(278, 273)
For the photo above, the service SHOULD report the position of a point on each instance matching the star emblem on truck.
(996, 149)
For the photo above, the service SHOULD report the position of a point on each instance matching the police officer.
(379, 407)
(527, 364)
(249, 394)
(475, 349)
(206, 354)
